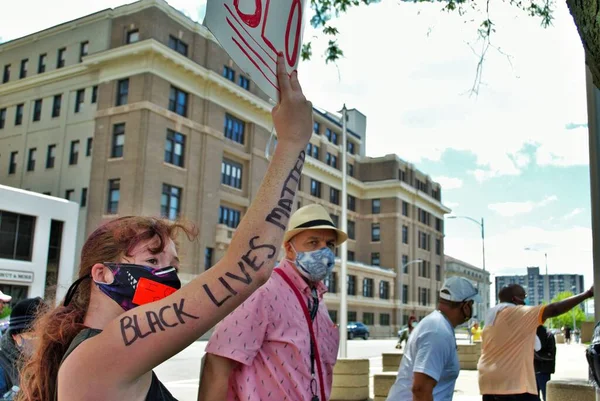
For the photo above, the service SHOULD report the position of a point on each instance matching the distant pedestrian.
(568, 335)
(476, 332)
(506, 371)
(544, 360)
(430, 365)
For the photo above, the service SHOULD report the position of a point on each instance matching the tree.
(566, 319)
(585, 14)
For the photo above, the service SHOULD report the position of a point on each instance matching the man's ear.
(290, 254)
(102, 274)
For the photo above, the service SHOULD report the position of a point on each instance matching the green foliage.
(326, 10)
(5, 312)
(566, 319)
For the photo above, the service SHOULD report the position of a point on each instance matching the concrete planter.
(560, 338)
(587, 331)
(391, 361)
(350, 380)
(468, 355)
(572, 390)
(382, 383)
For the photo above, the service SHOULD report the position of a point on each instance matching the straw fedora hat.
(312, 217)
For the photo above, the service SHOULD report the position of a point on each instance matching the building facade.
(542, 288)
(480, 279)
(137, 110)
(37, 251)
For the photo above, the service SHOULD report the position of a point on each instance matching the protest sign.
(253, 32)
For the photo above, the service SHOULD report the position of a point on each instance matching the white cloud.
(449, 182)
(573, 213)
(452, 205)
(510, 209)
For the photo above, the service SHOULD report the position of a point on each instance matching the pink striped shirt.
(269, 337)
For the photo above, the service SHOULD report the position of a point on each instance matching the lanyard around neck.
(313, 339)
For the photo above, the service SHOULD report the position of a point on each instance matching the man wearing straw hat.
(281, 344)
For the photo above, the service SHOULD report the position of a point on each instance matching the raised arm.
(142, 338)
(558, 308)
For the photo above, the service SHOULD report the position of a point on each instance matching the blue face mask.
(315, 265)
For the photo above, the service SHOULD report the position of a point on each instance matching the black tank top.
(157, 391)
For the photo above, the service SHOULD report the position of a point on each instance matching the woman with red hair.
(126, 312)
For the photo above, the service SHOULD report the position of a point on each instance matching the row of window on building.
(368, 318)
(333, 137)
(330, 159)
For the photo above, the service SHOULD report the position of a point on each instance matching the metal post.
(547, 281)
(344, 247)
(481, 315)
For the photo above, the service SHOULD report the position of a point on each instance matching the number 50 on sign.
(252, 32)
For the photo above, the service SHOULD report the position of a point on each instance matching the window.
(439, 225)
(375, 259)
(331, 136)
(351, 316)
(384, 290)
(402, 175)
(350, 170)
(375, 232)
(23, 71)
(118, 140)
(88, 147)
(404, 208)
(56, 102)
(331, 160)
(42, 63)
(79, 98)
(368, 287)
(229, 217)
(83, 49)
(424, 240)
(421, 186)
(316, 127)
(69, 193)
(424, 296)
(425, 269)
(31, 159)
(351, 229)
(234, 129)
(333, 314)
(2, 117)
(114, 194)
(376, 206)
(334, 137)
(231, 174)
(405, 263)
(12, 163)
(328, 134)
(404, 293)
(424, 217)
(50, 156)
(6, 75)
(438, 246)
(315, 188)
(170, 202)
(384, 319)
(178, 45)
(74, 154)
(174, 148)
(229, 73)
(315, 152)
(208, 258)
(438, 273)
(122, 91)
(133, 36)
(405, 234)
(368, 318)
(19, 114)
(351, 203)
(351, 256)
(331, 282)
(334, 195)
(94, 94)
(16, 235)
(83, 202)
(351, 147)
(244, 82)
(60, 59)
(351, 284)
(335, 219)
(37, 110)
(178, 101)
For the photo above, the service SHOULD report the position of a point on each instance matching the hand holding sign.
(254, 32)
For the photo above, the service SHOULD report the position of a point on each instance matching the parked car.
(357, 329)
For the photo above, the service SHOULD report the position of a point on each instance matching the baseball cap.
(459, 289)
(23, 315)
(4, 297)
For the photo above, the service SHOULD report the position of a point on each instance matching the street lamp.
(402, 285)
(547, 280)
(482, 225)
(573, 288)
(344, 247)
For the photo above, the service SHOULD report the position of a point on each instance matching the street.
(180, 373)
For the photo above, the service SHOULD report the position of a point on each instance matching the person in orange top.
(506, 365)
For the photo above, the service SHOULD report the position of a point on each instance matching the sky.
(516, 154)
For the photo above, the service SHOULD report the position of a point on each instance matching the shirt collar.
(290, 270)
